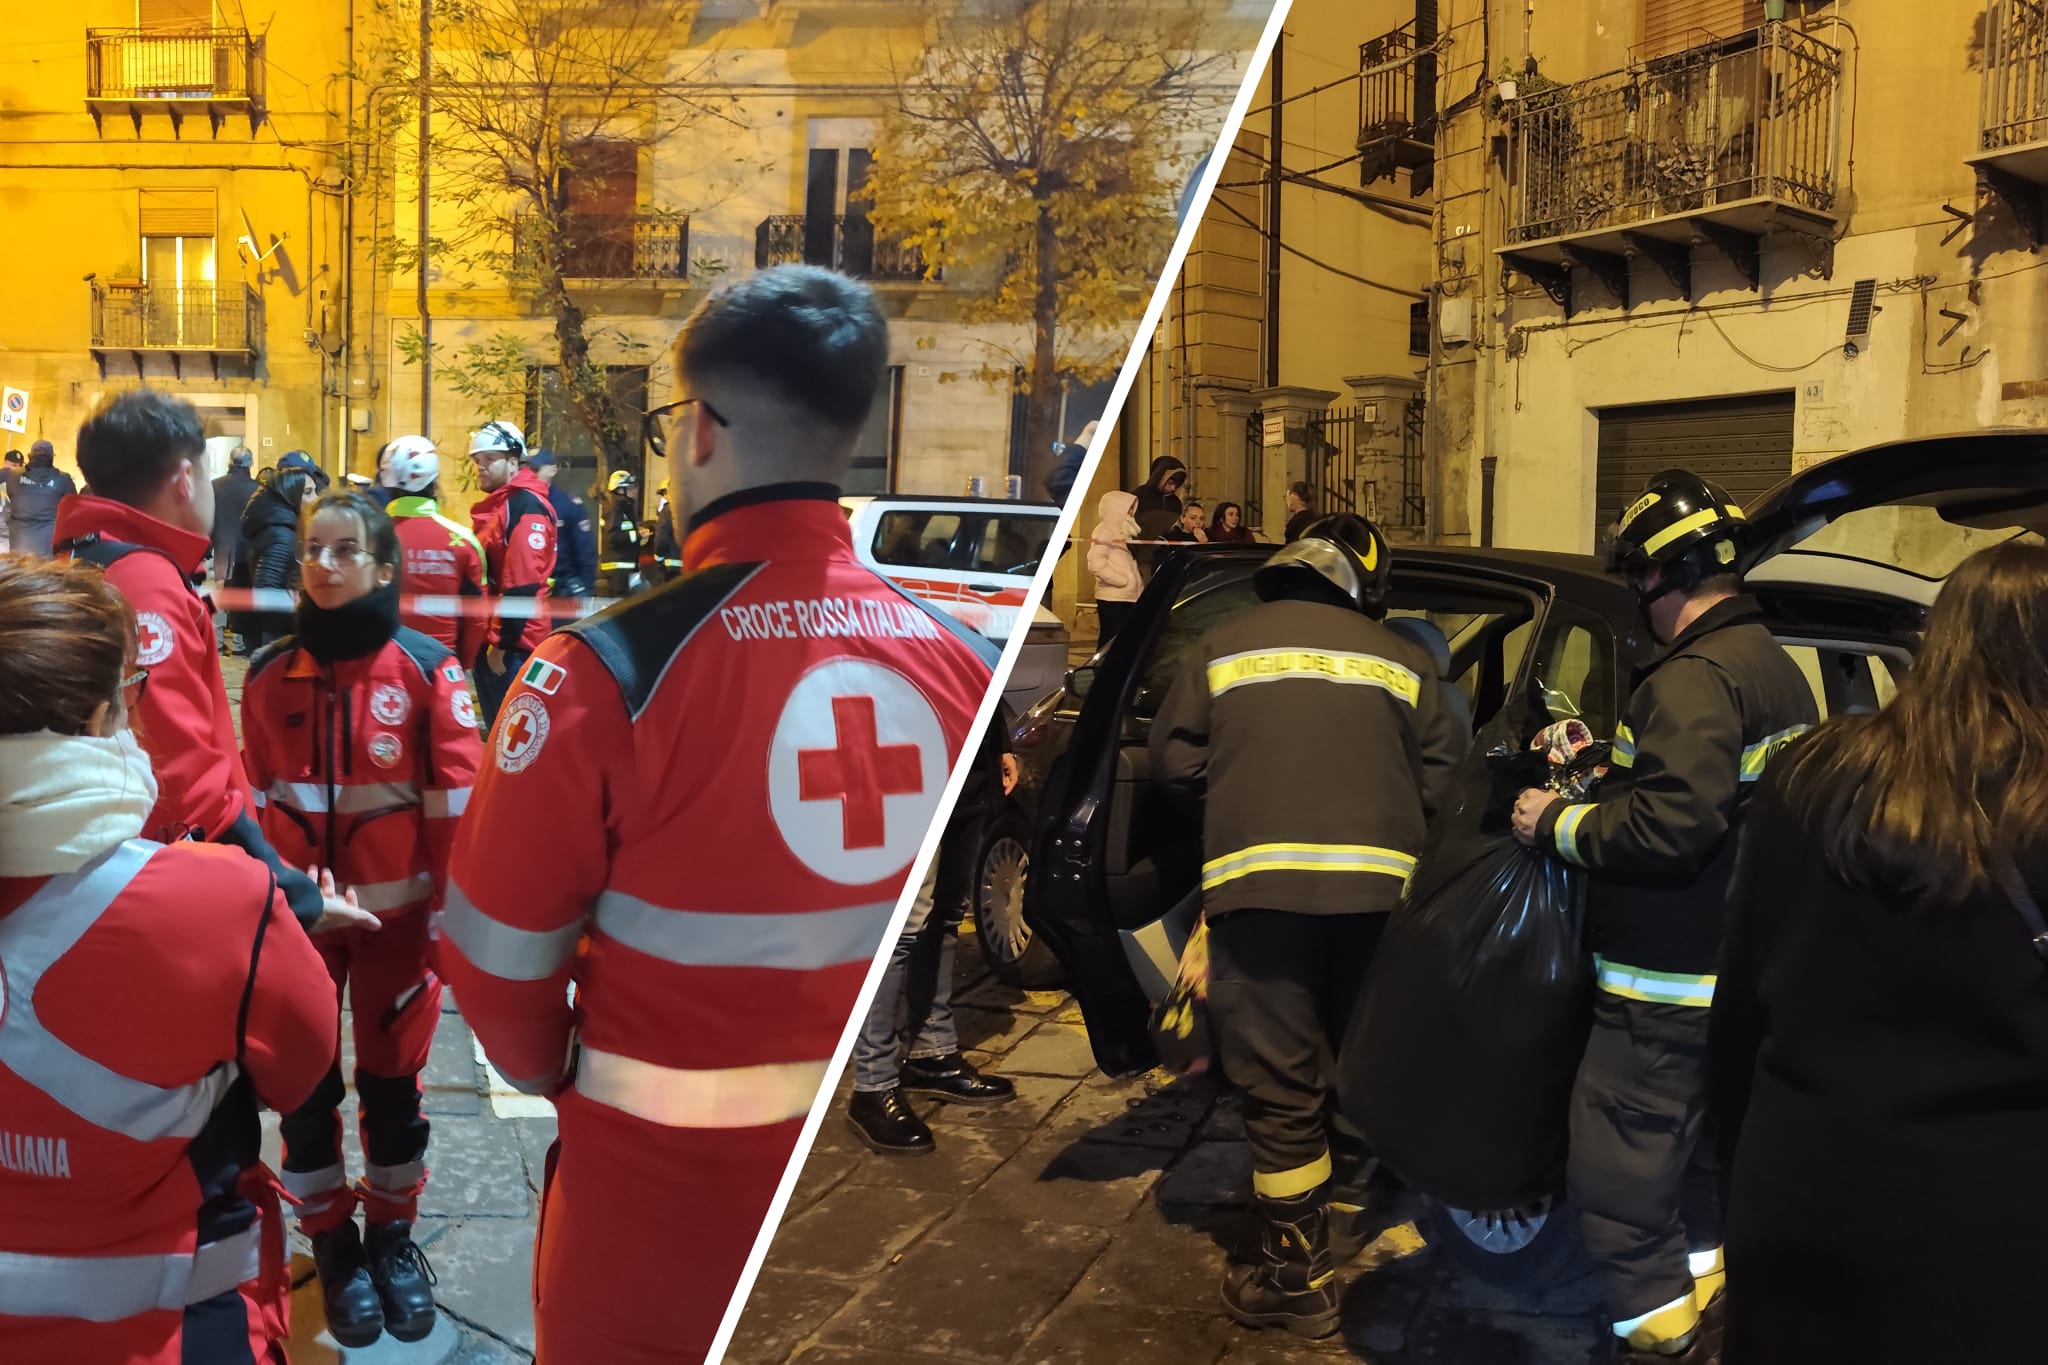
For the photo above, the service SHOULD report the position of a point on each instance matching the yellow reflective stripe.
(1642, 505)
(1660, 1326)
(1338, 666)
(1685, 527)
(1623, 754)
(1656, 988)
(1565, 833)
(1288, 1184)
(1306, 858)
(1757, 755)
(1735, 513)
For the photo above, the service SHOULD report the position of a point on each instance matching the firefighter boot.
(1676, 1334)
(355, 1317)
(1289, 1282)
(405, 1282)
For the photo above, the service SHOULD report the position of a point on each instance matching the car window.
(1010, 544)
(916, 540)
(1845, 679)
(1190, 619)
(1915, 539)
(1574, 667)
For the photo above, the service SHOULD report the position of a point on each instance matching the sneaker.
(404, 1280)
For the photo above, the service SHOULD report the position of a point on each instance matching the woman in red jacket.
(154, 995)
(360, 741)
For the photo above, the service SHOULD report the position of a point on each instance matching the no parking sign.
(13, 410)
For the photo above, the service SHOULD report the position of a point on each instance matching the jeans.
(491, 688)
(916, 997)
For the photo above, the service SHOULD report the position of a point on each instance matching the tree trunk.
(1042, 411)
(588, 390)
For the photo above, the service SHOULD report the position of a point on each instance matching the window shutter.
(174, 13)
(178, 213)
(1670, 26)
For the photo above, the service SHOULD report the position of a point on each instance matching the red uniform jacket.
(516, 526)
(179, 971)
(363, 766)
(444, 576)
(183, 719)
(737, 770)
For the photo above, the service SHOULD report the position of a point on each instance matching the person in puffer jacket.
(360, 740)
(1117, 580)
(270, 548)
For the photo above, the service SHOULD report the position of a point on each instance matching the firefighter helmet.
(1683, 525)
(620, 480)
(1346, 551)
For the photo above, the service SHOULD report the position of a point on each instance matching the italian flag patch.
(543, 677)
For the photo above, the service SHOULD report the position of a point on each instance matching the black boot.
(1291, 1283)
(405, 1282)
(954, 1081)
(355, 1316)
(884, 1120)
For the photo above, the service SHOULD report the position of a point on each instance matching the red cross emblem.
(521, 731)
(860, 773)
(153, 638)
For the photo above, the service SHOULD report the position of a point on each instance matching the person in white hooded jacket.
(152, 997)
(1117, 578)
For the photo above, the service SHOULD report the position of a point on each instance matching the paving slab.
(1053, 1049)
(476, 1166)
(965, 1157)
(973, 1289)
(853, 1229)
(1061, 1177)
(993, 1031)
(484, 1275)
(1085, 1333)
(1454, 1336)
(1154, 1262)
(782, 1312)
(1037, 1097)
(1210, 1173)
(1136, 1112)
(450, 1083)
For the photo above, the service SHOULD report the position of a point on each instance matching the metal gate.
(1367, 469)
(1254, 470)
(1744, 444)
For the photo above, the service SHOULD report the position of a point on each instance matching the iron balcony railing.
(2015, 74)
(173, 317)
(615, 246)
(845, 243)
(1393, 102)
(1745, 118)
(193, 64)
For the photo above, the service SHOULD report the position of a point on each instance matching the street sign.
(1276, 430)
(13, 410)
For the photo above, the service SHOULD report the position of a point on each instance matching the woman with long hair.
(360, 737)
(154, 996)
(1229, 527)
(269, 564)
(1880, 1029)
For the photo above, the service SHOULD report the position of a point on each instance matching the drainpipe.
(1486, 468)
(1273, 216)
(426, 318)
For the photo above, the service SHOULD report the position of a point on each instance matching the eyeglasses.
(658, 422)
(132, 688)
(340, 556)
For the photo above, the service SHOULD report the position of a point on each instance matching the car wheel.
(1525, 1248)
(1012, 951)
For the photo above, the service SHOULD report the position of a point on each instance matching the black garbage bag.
(1459, 1060)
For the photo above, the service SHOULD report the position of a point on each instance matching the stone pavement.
(1088, 1220)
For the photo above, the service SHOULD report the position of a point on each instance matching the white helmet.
(414, 465)
(498, 436)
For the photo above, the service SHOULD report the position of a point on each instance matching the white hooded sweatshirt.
(1117, 578)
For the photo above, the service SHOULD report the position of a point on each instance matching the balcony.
(218, 321)
(1397, 108)
(136, 70)
(620, 248)
(2012, 142)
(846, 244)
(1719, 146)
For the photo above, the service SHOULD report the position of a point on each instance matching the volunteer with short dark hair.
(515, 524)
(1303, 858)
(361, 739)
(1659, 839)
(171, 994)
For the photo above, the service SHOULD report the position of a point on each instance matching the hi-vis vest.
(100, 1288)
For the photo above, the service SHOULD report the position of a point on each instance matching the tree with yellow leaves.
(1034, 153)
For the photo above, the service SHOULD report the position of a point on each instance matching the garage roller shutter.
(178, 14)
(178, 213)
(1743, 444)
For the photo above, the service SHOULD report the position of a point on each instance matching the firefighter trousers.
(395, 999)
(1642, 1169)
(1281, 990)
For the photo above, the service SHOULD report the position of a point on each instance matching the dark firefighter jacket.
(1324, 742)
(1705, 717)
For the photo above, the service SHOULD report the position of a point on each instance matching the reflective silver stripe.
(393, 1182)
(447, 804)
(262, 799)
(278, 600)
(45, 927)
(310, 798)
(110, 1288)
(794, 941)
(519, 608)
(306, 1184)
(435, 604)
(392, 895)
(733, 1097)
(502, 950)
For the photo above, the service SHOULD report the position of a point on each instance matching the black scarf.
(351, 630)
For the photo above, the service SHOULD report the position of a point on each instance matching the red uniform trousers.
(396, 1000)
